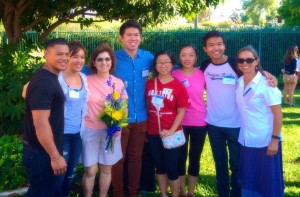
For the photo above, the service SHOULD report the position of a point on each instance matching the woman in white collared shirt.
(260, 170)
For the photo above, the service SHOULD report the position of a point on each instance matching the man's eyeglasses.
(247, 60)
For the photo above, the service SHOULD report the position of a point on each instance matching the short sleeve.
(202, 77)
(183, 98)
(272, 96)
(147, 87)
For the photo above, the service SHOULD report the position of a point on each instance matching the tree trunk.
(11, 18)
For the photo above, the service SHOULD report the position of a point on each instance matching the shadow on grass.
(292, 192)
(293, 118)
(292, 183)
(291, 122)
(205, 187)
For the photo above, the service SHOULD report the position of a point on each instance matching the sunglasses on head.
(247, 60)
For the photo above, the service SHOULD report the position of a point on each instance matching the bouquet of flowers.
(114, 114)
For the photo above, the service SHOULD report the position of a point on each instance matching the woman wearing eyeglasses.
(260, 167)
(167, 99)
(102, 64)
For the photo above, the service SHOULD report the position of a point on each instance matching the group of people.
(242, 117)
(290, 70)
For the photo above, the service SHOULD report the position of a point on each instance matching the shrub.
(12, 171)
(16, 67)
(208, 24)
(225, 24)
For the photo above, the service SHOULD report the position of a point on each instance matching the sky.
(223, 11)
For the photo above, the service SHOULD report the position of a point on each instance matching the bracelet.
(276, 137)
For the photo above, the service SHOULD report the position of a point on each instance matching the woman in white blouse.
(260, 170)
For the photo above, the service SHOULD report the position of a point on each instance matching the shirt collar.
(126, 54)
(255, 80)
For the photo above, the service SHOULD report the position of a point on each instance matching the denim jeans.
(42, 181)
(220, 139)
(71, 152)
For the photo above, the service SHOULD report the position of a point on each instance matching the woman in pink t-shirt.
(102, 64)
(193, 122)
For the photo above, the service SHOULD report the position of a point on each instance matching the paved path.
(20, 191)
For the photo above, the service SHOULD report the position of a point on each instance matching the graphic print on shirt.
(220, 95)
(228, 78)
(165, 93)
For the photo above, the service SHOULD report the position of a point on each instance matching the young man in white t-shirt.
(222, 118)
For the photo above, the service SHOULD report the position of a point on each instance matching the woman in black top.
(290, 64)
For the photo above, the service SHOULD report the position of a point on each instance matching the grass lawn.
(291, 158)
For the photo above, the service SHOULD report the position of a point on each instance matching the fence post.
(259, 42)
(162, 40)
(4, 39)
(113, 40)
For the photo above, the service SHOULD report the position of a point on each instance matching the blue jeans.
(42, 181)
(71, 151)
(220, 138)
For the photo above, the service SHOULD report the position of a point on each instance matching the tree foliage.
(16, 67)
(290, 12)
(236, 16)
(42, 16)
(205, 15)
(257, 11)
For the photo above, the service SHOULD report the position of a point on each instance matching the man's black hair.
(55, 41)
(130, 24)
(211, 34)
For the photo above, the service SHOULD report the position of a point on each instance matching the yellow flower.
(108, 109)
(117, 115)
(116, 95)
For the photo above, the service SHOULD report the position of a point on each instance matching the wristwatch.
(276, 137)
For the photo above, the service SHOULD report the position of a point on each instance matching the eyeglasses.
(107, 59)
(247, 60)
(163, 63)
